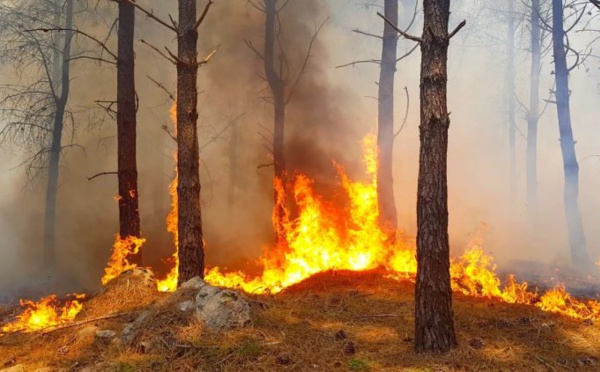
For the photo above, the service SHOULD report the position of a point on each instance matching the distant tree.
(129, 215)
(511, 98)
(385, 134)
(37, 42)
(533, 113)
(282, 80)
(434, 323)
(577, 239)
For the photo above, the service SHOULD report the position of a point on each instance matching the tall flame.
(169, 284)
(322, 237)
(46, 313)
(122, 249)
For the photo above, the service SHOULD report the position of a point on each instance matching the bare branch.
(596, 3)
(161, 86)
(405, 113)
(157, 51)
(101, 174)
(209, 56)
(376, 61)
(407, 36)
(166, 129)
(460, 25)
(367, 34)
(59, 29)
(204, 13)
(305, 62)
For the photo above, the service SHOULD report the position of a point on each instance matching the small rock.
(63, 350)
(340, 335)
(337, 364)
(105, 333)
(186, 306)
(221, 309)
(283, 359)
(349, 348)
(586, 361)
(16, 368)
(588, 322)
(476, 343)
(194, 283)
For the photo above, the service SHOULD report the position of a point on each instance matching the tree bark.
(191, 246)
(56, 144)
(510, 96)
(434, 324)
(277, 87)
(385, 133)
(577, 240)
(534, 110)
(129, 217)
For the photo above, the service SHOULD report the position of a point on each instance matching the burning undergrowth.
(321, 238)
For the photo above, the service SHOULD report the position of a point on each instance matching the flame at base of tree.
(169, 284)
(46, 313)
(118, 263)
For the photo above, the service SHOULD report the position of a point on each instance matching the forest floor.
(338, 321)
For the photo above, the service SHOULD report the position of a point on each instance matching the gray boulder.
(221, 309)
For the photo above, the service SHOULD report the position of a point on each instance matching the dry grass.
(334, 321)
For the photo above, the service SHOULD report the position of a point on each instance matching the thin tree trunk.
(129, 217)
(510, 96)
(434, 323)
(534, 110)
(577, 240)
(277, 90)
(385, 133)
(56, 145)
(191, 246)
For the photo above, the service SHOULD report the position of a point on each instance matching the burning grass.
(332, 321)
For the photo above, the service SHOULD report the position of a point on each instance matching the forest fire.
(119, 262)
(46, 313)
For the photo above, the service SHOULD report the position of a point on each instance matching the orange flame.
(46, 313)
(169, 284)
(322, 237)
(118, 263)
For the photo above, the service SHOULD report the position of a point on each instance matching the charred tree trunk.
(385, 133)
(277, 87)
(56, 144)
(577, 240)
(534, 104)
(191, 246)
(129, 217)
(434, 323)
(510, 96)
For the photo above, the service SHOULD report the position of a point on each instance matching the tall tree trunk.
(434, 324)
(534, 104)
(385, 133)
(277, 90)
(510, 96)
(56, 144)
(191, 246)
(129, 217)
(577, 241)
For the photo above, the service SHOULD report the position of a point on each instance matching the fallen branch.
(76, 324)
(378, 316)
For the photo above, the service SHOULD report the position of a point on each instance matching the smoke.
(329, 112)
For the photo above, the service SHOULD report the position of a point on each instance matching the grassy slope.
(296, 331)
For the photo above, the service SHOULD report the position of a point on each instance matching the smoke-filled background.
(331, 109)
